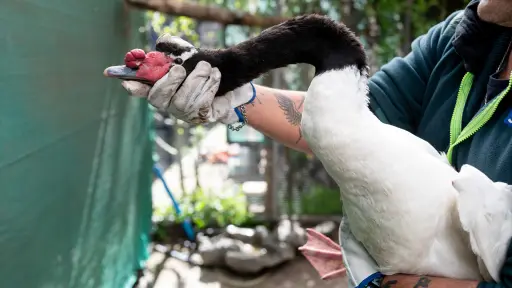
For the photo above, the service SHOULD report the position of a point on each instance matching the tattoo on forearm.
(389, 283)
(301, 102)
(291, 111)
(423, 282)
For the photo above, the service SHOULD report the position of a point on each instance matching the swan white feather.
(396, 188)
(485, 213)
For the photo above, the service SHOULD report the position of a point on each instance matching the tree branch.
(205, 12)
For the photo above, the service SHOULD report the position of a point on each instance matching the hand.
(361, 269)
(411, 281)
(195, 101)
(408, 281)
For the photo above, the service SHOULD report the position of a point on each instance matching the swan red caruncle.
(139, 66)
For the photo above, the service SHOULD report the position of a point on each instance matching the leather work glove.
(195, 101)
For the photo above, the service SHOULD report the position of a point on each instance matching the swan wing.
(485, 211)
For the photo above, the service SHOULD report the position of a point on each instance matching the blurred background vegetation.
(386, 27)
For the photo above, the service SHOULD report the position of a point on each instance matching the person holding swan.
(459, 71)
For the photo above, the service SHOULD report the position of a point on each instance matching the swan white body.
(487, 219)
(396, 188)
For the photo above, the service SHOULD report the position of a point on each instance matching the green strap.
(457, 134)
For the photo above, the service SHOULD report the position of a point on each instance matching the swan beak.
(125, 73)
(121, 72)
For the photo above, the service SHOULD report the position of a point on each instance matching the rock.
(247, 250)
(253, 260)
(260, 234)
(212, 250)
(248, 235)
(286, 252)
(250, 260)
(291, 233)
(196, 259)
(326, 228)
(245, 235)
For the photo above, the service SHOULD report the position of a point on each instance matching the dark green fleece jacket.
(418, 93)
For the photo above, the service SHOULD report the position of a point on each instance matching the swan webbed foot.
(324, 254)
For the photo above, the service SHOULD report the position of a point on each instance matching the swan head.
(149, 68)
(175, 47)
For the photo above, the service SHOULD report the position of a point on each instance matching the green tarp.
(75, 151)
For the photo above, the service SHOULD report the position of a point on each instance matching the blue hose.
(187, 225)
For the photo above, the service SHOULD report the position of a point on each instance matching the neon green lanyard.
(457, 135)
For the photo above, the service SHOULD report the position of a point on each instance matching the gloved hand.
(195, 101)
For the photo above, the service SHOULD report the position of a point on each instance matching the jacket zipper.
(456, 135)
(462, 96)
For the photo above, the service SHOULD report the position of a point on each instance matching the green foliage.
(321, 200)
(386, 26)
(209, 209)
(181, 26)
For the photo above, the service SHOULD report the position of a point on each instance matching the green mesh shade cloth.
(75, 150)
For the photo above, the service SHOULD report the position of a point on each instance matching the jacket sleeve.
(398, 89)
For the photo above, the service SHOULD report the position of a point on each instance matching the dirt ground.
(173, 273)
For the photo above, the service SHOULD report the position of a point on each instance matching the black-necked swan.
(396, 189)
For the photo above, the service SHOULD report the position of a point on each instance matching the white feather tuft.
(485, 213)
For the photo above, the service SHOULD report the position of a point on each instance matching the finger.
(202, 69)
(164, 89)
(136, 89)
(201, 104)
(192, 86)
(209, 90)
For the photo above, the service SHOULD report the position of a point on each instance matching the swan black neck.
(312, 39)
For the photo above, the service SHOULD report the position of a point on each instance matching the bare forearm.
(409, 281)
(277, 114)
